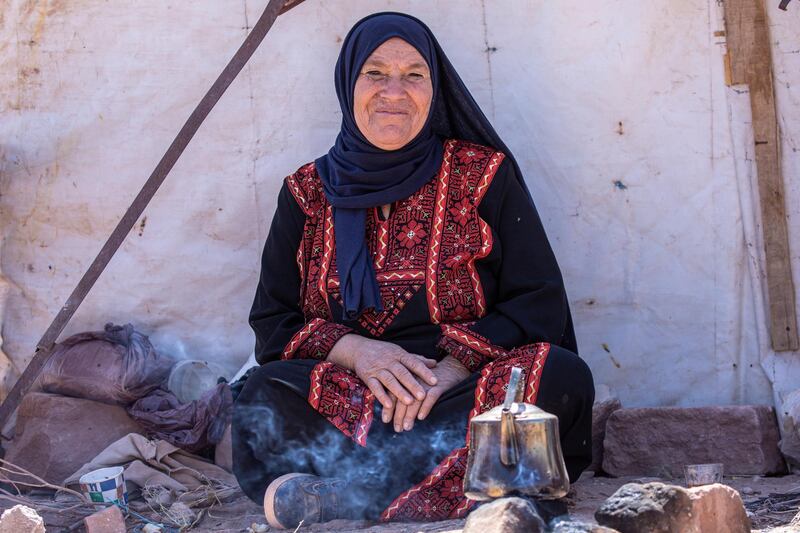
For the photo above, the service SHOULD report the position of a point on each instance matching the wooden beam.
(750, 59)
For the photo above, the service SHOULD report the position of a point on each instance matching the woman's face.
(392, 96)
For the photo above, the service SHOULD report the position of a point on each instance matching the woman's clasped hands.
(406, 385)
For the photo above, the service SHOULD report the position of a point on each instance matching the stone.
(505, 515)
(790, 429)
(223, 453)
(649, 508)
(20, 519)
(601, 411)
(56, 435)
(109, 520)
(661, 508)
(717, 507)
(660, 441)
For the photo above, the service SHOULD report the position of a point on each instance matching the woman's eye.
(374, 74)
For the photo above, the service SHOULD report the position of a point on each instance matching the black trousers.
(276, 431)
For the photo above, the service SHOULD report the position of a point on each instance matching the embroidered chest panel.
(430, 242)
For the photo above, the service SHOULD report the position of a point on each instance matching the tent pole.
(45, 345)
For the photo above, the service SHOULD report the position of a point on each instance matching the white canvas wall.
(637, 154)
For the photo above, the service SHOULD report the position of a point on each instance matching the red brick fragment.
(109, 520)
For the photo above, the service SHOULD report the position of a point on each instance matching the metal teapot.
(515, 449)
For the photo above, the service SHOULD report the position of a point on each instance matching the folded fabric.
(117, 365)
(191, 426)
(157, 463)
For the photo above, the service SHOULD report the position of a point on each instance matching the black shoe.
(295, 498)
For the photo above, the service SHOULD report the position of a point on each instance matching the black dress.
(464, 270)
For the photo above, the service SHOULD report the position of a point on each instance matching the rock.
(649, 508)
(717, 507)
(20, 519)
(223, 453)
(601, 411)
(562, 525)
(56, 435)
(661, 508)
(505, 515)
(790, 429)
(659, 441)
(109, 520)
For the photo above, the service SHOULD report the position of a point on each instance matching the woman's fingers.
(377, 389)
(408, 381)
(387, 413)
(399, 416)
(394, 386)
(419, 366)
(411, 414)
(428, 403)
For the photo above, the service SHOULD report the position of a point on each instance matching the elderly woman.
(405, 273)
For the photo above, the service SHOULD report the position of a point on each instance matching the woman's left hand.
(449, 373)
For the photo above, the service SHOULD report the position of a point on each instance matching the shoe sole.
(269, 499)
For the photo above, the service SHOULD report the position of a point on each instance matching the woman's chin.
(390, 140)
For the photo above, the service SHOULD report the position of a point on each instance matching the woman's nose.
(394, 87)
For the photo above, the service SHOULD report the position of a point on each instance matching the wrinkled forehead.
(396, 52)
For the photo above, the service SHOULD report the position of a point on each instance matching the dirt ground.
(584, 498)
(771, 501)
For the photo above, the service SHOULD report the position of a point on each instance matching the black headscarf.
(357, 175)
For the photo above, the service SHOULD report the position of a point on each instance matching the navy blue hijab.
(357, 175)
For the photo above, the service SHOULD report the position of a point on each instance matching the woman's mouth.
(391, 111)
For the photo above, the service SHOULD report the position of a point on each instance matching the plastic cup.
(704, 474)
(105, 485)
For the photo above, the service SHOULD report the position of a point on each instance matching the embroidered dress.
(463, 269)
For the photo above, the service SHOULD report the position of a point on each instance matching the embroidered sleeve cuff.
(314, 340)
(467, 347)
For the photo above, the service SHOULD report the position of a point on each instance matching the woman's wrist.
(456, 365)
(343, 351)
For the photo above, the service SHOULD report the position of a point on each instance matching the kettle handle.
(509, 454)
(513, 386)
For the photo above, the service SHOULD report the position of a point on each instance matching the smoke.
(375, 475)
(213, 352)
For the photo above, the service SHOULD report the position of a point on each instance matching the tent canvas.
(638, 154)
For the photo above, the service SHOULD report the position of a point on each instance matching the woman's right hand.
(384, 366)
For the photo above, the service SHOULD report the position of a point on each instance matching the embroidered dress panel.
(430, 241)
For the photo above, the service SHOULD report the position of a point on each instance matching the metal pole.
(45, 345)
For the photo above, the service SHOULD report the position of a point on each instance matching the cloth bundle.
(114, 366)
(156, 464)
(192, 426)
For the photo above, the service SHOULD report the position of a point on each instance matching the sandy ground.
(584, 498)
(237, 515)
